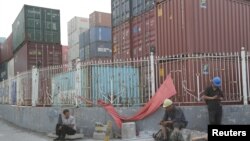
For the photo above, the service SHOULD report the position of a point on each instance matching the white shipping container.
(11, 68)
(73, 52)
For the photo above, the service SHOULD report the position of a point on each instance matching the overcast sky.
(9, 10)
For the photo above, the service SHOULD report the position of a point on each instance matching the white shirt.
(70, 121)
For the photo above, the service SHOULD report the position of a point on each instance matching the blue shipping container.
(100, 49)
(99, 82)
(103, 34)
(84, 39)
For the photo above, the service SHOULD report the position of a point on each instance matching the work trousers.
(64, 130)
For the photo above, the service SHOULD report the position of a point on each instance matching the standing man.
(173, 121)
(213, 96)
(66, 125)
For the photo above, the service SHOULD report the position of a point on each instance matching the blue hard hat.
(217, 81)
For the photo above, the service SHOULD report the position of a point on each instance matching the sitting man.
(66, 125)
(173, 121)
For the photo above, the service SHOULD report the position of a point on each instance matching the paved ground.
(9, 132)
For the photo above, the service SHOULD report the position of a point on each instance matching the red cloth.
(166, 90)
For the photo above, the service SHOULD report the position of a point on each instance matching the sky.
(9, 10)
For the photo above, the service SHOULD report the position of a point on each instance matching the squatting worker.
(66, 125)
(173, 121)
(213, 96)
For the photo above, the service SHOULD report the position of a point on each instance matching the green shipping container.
(36, 24)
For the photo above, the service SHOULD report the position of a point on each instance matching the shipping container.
(143, 34)
(87, 52)
(124, 55)
(97, 82)
(99, 19)
(82, 54)
(192, 76)
(120, 11)
(7, 50)
(37, 54)
(100, 49)
(3, 71)
(140, 6)
(78, 24)
(36, 24)
(2, 39)
(65, 51)
(11, 68)
(100, 34)
(121, 38)
(200, 26)
(84, 39)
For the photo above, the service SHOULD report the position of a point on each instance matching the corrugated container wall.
(11, 68)
(76, 26)
(102, 34)
(65, 51)
(201, 26)
(84, 39)
(100, 49)
(3, 71)
(120, 11)
(140, 6)
(96, 50)
(121, 40)
(36, 24)
(7, 50)
(37, 54)
(143, 34)
(82, 54)
(100, 19)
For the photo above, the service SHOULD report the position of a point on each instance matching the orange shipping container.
(201, 26)
(100, 19)
(34, 54)
(143, 34)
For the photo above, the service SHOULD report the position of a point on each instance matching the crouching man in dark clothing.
(172, 123)
(66, 125)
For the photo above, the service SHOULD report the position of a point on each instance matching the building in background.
(96, 43)
(36, 38)
(65, 51)
(76, 26)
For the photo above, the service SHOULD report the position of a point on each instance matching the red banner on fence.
(166, 90)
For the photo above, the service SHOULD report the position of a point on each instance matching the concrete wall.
(44, 119)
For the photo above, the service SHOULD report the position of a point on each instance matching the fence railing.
(130, 82)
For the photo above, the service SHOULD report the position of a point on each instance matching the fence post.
(35, 76)
(152, 70)
(78, 81)
(244, 75)
(18, 89)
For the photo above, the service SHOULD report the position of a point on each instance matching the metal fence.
(127, 83)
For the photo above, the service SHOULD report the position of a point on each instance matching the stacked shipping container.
(95, 43)
(37, 54)
(134, 33)
(6, 50)
(65, 51)
(36, 38)
(179, 27)
(76, 26)
(202, 26)
(36, 24)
